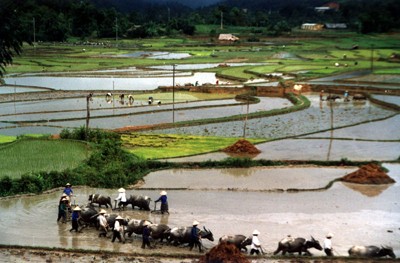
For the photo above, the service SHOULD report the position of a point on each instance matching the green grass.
(34, 155)
(7, 139)
(152, 146)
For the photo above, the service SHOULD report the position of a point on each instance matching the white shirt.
(102, 220)
(121, 197)
(117, 226)
(255, 243)
(328, 243)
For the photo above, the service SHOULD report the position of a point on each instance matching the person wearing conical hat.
(68, 190)
(103, 223)
(76, 213)
(195, 238)
(255, 243)
(62, 210)
(328, 245)
(164, 202)
(121, 198)
(118, 229)
(146, 235)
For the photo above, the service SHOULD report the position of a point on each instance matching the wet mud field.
(237, 201)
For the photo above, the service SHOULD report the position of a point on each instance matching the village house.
(227, 37)
(335, 26)
(312, 26)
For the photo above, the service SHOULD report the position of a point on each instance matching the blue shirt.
(75, 215)
(68, 191)
(194, 232)
(163, 199)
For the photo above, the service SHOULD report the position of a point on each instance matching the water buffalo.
(332, 97)
(299, 244)
(135, 226)
(359, 96)
(181, 235)
(159, 231)
(111, 220)
(371, 251)
(88, 216)
(100, 200)
(142, 202)
(240, 241)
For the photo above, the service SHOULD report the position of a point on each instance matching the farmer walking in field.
(68, 190)
(328, 245)
(75, 217)
(121, 198)
(62, 210)
(146, 235)
(118, 229)
(103, 223)
(164, 202)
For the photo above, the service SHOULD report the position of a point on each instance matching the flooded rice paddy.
(229, 201)
(322, 115)
(137, 82)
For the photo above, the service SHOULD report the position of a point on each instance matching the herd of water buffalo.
(181, 235)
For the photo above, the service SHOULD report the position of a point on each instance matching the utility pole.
(173, 93)
(222, 20)
(116, 29)
(245, 120)
(34, 31)
(372, 58)
(88, 99)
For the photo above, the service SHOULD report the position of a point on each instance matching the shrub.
(5, 185)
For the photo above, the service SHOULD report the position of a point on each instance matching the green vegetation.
(111, 166)
(7, 139)
(161, 146)
(304, 58)
(34, 155)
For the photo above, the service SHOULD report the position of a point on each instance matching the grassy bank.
(34, 155)
(151, 146)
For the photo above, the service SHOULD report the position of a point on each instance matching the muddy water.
(355, 214)
(108, 84)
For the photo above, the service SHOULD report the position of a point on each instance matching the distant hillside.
(272, 4)
(129, 5)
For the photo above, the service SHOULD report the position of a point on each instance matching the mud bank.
(21, 254)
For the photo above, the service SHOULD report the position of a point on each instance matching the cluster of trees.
(58, 20)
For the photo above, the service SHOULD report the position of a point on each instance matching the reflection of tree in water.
(238, 172)
(368, 189)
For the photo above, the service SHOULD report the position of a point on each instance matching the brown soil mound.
(224, 253)
(369, 174)
(242, 146)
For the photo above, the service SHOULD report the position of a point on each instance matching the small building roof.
(336, 25)
(227, 37)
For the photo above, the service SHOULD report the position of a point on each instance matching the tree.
(11, 32)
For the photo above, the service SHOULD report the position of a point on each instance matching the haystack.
(242, 146)
(369, 174)
(224, 253)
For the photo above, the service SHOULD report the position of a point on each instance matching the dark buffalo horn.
(207, 230)
(312, 238)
